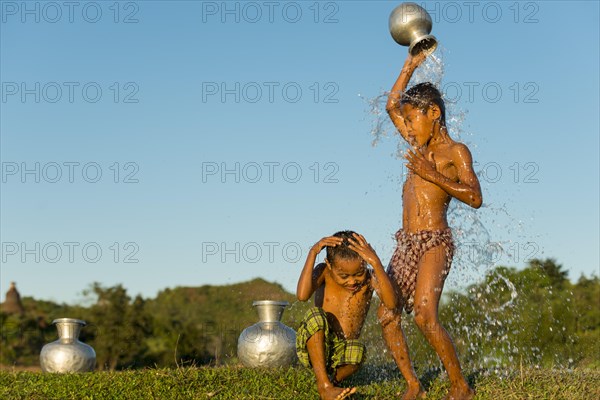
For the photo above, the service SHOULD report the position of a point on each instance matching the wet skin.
(439, 169)
(344, 289)
(345, 295)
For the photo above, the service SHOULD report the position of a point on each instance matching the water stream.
(477, 253)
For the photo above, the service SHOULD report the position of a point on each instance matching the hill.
(193, 325)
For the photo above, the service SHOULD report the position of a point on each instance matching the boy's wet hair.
(424, 95)
(342, 250)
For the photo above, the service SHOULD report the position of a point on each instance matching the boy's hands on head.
(364, 250)
(381, 282)
(326, 241)
(312, 277)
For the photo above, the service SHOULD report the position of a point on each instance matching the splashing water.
(474, 246)
(476, 258)
(431, 70)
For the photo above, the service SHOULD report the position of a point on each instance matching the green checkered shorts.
(337, 351)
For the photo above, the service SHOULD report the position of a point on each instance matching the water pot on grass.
(268, 343)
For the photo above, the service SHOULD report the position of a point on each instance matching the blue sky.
(160, 144)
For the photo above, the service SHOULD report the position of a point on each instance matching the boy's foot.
(413, 393)
(336, 393)
(460, 393)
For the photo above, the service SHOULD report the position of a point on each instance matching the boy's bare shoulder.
(320, 267)
(459, 150)
(319, 273)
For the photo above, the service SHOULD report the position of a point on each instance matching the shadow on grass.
(429, 376)
(386, 378)
(474, 376)
(374, 374)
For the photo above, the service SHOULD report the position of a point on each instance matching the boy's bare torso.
(424, 203)
(346, 311)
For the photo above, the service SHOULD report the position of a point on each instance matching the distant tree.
(201, 325)
(527, 315)
(117, 328)
(586, 302)
(179, 326)
(554, 271)
(534, 315)
(21, 339)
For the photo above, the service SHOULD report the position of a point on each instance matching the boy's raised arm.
(311, 277)
(395, 96)
(381, 281)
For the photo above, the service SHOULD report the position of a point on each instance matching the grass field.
(288, 383)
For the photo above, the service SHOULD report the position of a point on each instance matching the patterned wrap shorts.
(403, 267)
(338, 351)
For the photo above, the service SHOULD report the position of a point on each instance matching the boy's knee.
(353, 352)
(360, 360)
(315, 320)
(387, 316)
(426, 320)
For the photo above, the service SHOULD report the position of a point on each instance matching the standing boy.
(439, 169)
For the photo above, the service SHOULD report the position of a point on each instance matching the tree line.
(532, 316)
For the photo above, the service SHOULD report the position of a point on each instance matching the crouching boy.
(327, 339)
